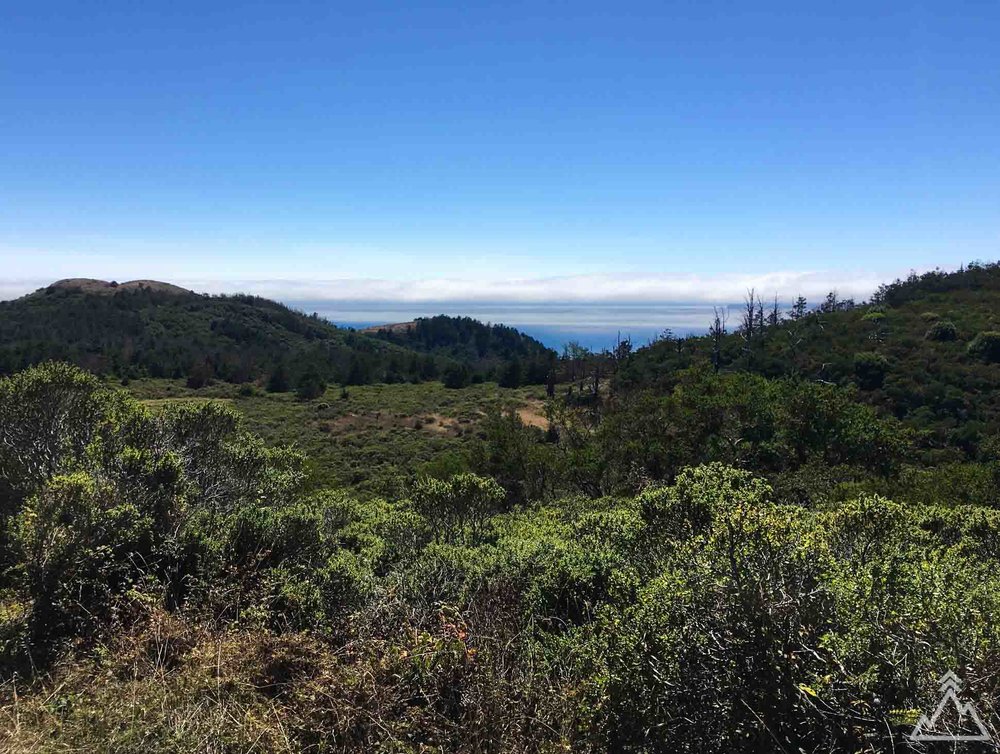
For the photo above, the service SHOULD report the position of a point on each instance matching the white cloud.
(595, 288)
(13, 288)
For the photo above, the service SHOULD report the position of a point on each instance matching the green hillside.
(924, 349)
(151, 329)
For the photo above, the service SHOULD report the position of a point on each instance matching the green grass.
(376, 440)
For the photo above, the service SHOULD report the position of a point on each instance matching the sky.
(501, 152)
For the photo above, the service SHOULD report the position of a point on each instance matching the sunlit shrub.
(943, 330)
(986, 346)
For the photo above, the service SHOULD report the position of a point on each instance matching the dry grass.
(168, 687)
(188, 400)
(533, 415)
(394, 327)
(106, 288)
(173, 685)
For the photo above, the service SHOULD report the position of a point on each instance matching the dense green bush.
(46, 422)
(942, 330)
(458, 506)
(456, 376)
(279, 381)
(310, 385)
(775, 427)
(83, 547)
(986, 346)
(106, 497)
(870, 370)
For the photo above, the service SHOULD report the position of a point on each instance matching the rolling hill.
(149, 328)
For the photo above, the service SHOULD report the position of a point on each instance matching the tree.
(111, 500)
(456, 376)
(831, 303)
(622, 352)
(870, 369)
(310, 385)
(774, 317)
(357, 373)
(510, 376)
(876, 320)
(575, 356)
(46, 422)
(752, 325)
(748, 324)
(428, 368)
(200, 375)
(717, 333)
(279, 381)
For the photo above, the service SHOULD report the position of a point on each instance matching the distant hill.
(146, 327)
(926, 349)
(91, 285)
(383, 330)
(493, 349)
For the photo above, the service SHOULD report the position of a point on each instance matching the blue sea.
(595, 326)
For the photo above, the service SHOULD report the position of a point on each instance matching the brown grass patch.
(533, 415)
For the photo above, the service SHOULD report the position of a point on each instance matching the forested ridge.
(515, 358)
(775, 537)
(151, 329)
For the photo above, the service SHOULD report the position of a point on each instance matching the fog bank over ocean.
(595, 325)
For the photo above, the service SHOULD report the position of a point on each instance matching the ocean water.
(594, 326)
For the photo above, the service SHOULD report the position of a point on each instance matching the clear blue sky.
(314, 141)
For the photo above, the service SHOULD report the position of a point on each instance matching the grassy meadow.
(375, 439)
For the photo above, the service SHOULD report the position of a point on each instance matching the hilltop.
(109, 287)
(395, 327)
